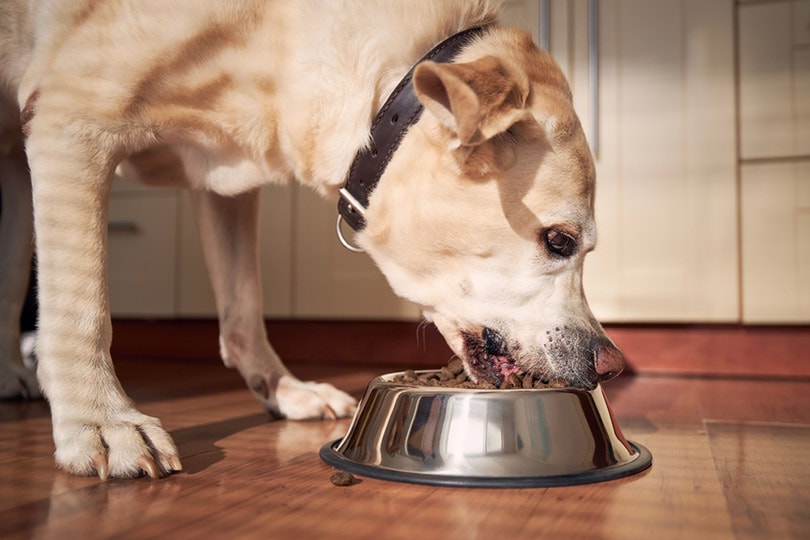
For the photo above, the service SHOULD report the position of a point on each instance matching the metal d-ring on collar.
(343, 241)
(400, 111)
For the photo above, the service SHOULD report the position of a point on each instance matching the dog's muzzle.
(488, 356)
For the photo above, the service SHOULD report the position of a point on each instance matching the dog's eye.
(560, 243)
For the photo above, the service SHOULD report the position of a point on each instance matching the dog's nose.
(494, 343)
(608, 361)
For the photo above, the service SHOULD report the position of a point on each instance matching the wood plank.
(764, 472)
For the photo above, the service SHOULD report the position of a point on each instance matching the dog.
(482, 215)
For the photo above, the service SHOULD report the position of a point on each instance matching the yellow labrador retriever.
(478, 204)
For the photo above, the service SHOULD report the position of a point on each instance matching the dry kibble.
(456, 366)
(454, 376)
(445, 374)
(512, 381)
(342, 478)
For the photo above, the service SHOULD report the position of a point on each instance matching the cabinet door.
(774, 60)
(776, 242)
(775, 79)
(666, 181)
(195, 296)
(142, 243)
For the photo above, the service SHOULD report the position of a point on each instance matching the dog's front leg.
(16, 246)
(96, 428)
(229, 233)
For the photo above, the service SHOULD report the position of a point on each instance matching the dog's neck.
(399, 112)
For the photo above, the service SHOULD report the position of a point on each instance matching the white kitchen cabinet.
(666, 201)
(774, 56)
(156, 262)
(774, 43)
(776, 242)
(142, 241)
(157, 267)
(195, 297)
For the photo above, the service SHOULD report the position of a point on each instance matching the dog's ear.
(476, 100)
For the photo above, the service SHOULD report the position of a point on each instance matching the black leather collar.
(400, 111)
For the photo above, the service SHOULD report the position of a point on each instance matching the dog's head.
(485, 214)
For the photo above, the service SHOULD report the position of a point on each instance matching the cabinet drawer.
(142, 244)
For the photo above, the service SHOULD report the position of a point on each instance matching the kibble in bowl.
(454, 376)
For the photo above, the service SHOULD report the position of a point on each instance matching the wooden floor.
(731, 460)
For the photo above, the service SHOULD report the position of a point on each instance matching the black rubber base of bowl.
(642, 462)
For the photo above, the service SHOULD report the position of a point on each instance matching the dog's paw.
(28, 349)
(298, 400)
(124, 445)
(18, 382)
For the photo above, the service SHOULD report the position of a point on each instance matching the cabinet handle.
(123, 227)
(593, 72)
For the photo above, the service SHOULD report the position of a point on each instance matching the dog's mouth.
(488, 357)
(568, 358)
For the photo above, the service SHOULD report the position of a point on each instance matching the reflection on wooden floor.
(731, 460)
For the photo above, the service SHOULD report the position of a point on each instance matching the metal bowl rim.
(641, 462)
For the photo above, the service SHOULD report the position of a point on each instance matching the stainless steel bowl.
(484, 438)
